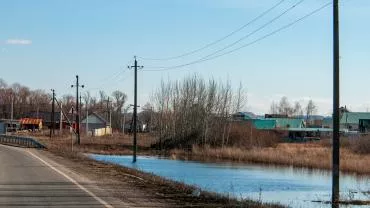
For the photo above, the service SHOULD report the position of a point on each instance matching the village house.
(355, 121)
(8, 125)
(96, 124)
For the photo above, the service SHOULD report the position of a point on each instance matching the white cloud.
(18, 42)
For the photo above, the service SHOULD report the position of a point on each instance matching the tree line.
(25, 100)
(284, 107)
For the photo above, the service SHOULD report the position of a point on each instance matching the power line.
(251, 33)
(207, 58)
(218, 40)
(112, 79)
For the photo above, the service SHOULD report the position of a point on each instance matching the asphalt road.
(27, 180)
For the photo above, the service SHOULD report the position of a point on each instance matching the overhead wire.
(107, 81)
(209, 57)
(110, 78)
(218, 40)
(249, 34)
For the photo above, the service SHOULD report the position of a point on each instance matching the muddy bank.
(143, 189)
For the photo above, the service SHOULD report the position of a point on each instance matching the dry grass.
(115, 144)
(310, 155)
(355, 155)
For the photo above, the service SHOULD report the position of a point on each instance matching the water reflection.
(295, 187)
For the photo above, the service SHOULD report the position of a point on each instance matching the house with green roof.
(355, 121)
(278, 123)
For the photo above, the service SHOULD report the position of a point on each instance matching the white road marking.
(101, 201)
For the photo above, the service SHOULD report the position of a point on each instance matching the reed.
(308, 155)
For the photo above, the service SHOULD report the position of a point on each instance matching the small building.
(355, 121)
(31, 124)
(96, 124)
(308, 133)
(7, 125)
(45, 116)
(285, 123)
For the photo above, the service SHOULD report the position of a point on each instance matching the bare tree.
(285, 107)
(119, 101)
(298, 109)
(241, 98)
(310, 109)
(274, 108)
(194, 111)
(102, 97)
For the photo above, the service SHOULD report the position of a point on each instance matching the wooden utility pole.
(336, 139)
(135, 110)
(52, 119)
(77, 122)
(11, 114)
(108, 117)
(79, 112)
(87, 117)
(61, 119)
(12, 108)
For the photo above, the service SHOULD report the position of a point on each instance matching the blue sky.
(44, 44)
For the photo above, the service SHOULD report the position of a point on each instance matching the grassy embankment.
(310, 155)
(355, 154)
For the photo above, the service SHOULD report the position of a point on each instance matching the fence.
(102, 131)
(20, 141)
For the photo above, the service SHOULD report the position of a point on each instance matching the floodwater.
(294, 187)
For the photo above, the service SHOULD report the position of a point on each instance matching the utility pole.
(87, 117)
(61, 119)
(135, 110)
(336, 139)
(77, 110)
(37, 111)
(52, 127)
(12, 109)
(11, 114)
(110, 119)
(108, 116)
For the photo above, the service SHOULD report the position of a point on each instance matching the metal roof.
(264, 124)
(95, 118)
(353, 117)
(31, 121)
